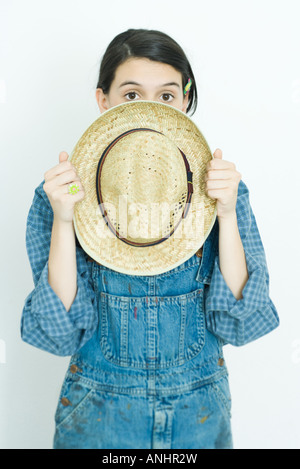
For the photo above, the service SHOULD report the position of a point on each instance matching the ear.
(102, 100)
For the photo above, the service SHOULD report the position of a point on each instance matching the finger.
(218, 154)
(59, 169)
(63, 156)
(76, 197)
(218, 174)
(59, 180)
(73, 196)
(217, 184)
(216, 193)
(67, 177)
(218, 164)
(73, 188)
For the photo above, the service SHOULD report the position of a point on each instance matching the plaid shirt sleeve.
(45, 323)
(241, 321)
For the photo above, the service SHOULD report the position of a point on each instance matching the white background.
(246, 57)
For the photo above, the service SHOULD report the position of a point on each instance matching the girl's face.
(144, 79)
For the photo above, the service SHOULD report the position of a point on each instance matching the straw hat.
(145, 210)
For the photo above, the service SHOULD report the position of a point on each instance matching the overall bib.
(152, 376)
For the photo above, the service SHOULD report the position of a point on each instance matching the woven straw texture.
(144, 189)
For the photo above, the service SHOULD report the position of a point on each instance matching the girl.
(174, 399)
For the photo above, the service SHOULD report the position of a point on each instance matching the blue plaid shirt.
(47, 325)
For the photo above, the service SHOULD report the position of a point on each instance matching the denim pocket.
(152, 332)
(74, 400)
(222, 394)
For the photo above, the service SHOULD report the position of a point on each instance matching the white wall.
(245, 55)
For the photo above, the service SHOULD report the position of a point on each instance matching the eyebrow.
(138, 84)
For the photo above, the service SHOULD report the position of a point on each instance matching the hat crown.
(143, 186)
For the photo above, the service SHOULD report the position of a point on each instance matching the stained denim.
(152, 375)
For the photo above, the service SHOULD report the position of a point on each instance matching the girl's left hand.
(222, 182)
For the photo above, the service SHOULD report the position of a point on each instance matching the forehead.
(146, 72)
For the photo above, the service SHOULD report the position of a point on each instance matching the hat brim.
(92, 232)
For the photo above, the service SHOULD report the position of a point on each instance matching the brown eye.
(131, 96)
(167, 97)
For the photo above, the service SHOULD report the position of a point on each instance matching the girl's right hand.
(56, 186)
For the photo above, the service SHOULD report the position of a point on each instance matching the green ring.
(73, 189)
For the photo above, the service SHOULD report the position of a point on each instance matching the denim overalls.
(152, 376)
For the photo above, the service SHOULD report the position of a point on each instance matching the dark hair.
(150, 44)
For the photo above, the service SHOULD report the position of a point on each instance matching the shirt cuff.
(254, 295)
(240, 321)
(51, 313)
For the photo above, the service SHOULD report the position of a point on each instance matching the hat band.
(100, 199)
